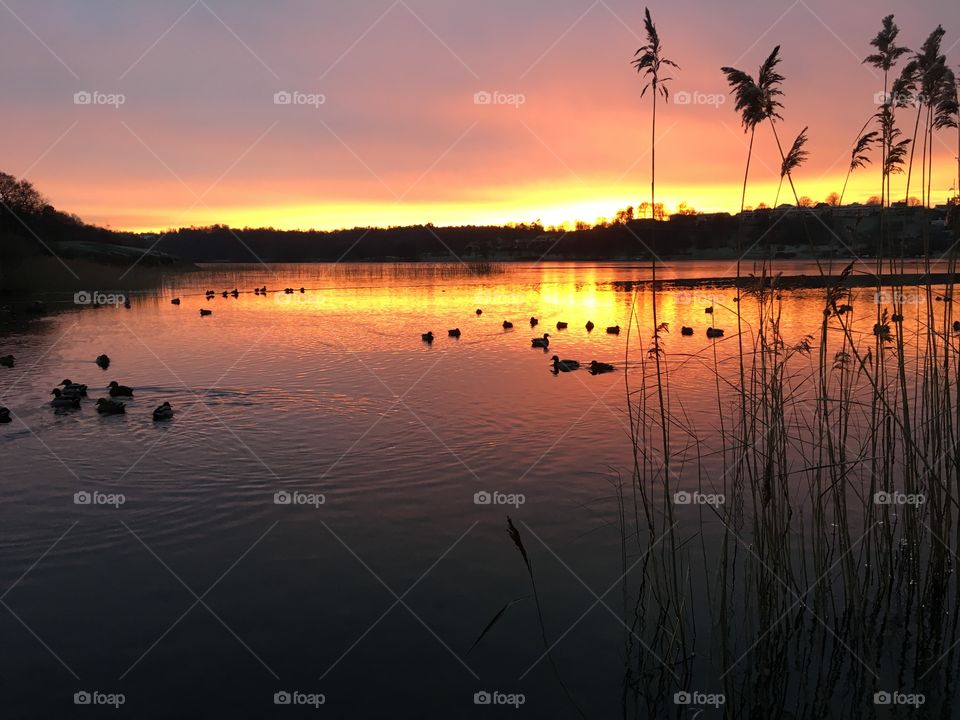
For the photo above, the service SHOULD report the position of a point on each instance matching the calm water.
(200, 596)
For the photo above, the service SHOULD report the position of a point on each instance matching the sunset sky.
(400, 137)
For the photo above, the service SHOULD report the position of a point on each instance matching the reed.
(812, 566)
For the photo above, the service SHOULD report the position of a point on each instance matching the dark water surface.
(200, 596)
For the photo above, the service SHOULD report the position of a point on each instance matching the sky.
(148, 114)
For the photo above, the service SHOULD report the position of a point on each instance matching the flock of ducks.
(235, 293)
(69, 395)
(595, 367)
(559, 366)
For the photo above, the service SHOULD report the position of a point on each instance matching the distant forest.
(30, 226)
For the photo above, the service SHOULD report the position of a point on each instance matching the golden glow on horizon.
(558, 205)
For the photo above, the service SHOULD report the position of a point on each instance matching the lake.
(309, 522)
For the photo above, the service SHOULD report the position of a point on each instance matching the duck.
(561, 326)
(8, 361)
(599, 368)
(4, 415)
(897, 317)
(534, 322)
(103, 361)
(590, 326)
(205, 313)
(714, 333)
(256, 291)
(163, 412)
(70, 387)
(63, 401)
(543, 342)
(613, 330)
(507, 325)
(564, 365)
(110, 407)
(117, 390)
(302, 290)
(479, 312)
(175, 301)
(455, 333)
(686, 330)
(126, 303)
(235, 293)
(263, 290)
(225, 293)
(427, 337)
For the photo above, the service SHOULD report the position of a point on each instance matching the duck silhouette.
(64, 401)
(564, 365)
(118, 390)
(163, 412)
(110, 407)
(599, 368)
(72, 388)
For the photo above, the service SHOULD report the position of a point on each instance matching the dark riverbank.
(802, 282)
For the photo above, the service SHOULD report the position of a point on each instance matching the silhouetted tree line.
(29, 225)
(766, 232)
